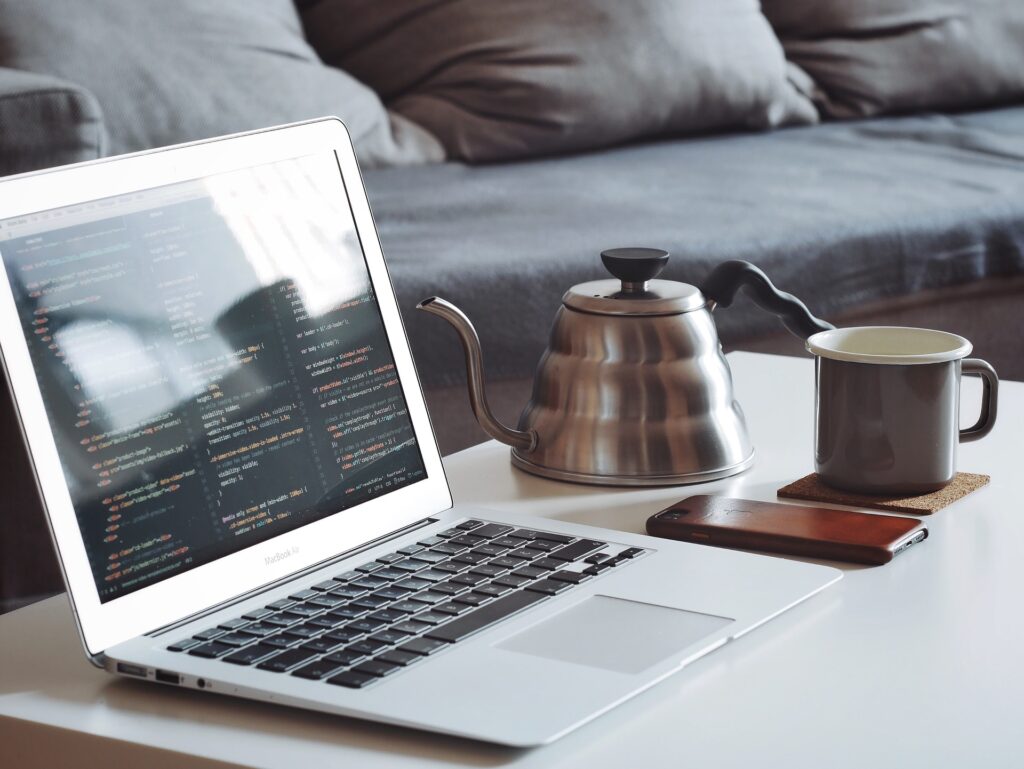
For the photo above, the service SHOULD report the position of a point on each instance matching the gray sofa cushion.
(871, 57)
(166, 72)
(522, 78)
(45, 121)
(839, 214)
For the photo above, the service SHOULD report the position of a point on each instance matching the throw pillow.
(869, 57)
(515, 78)
(172, 71)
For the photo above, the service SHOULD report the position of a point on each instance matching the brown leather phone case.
(816, 532)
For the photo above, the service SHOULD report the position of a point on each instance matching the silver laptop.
(242, 482)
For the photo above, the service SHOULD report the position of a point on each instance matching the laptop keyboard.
(379, 618)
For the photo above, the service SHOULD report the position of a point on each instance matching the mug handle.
(989, 398)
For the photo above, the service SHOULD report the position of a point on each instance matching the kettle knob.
(634, 266)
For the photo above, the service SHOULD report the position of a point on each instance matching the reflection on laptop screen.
(213, 364)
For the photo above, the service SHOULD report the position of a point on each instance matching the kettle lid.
(634, 290)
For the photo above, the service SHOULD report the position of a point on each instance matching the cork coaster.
(811, 488)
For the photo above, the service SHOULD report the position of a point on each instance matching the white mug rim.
(933, 346)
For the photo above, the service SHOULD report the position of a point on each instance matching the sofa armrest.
(45, 121)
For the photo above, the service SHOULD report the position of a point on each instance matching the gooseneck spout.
(523, 440)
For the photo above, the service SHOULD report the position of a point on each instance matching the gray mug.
(887, 407)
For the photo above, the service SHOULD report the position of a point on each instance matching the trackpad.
(614, 634)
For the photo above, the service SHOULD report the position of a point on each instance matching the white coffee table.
(916, 664)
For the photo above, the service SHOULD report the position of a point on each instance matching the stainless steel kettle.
(633, 389)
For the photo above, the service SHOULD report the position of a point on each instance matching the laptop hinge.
(293, 576)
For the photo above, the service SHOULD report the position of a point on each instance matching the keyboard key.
(302, 595)
(326, 600)
(349, 591)
(577, 550)
(559, 538)
(433, 575)
(364, 625)
(530, 572)
(184, 644)
(366, 646)
(284, 619)
(323, 644)
(468, 540)
(596, 569)
(280, 605)
(390, 558)
(429, 597)
(236, 639)
(630, 552)
(396, 657)
(572, 577)
(428, 556)
(406, 607)
(317, 670)
(211, 650)
(506, 562)
(370, 583)
(449, 533)
(342, 634)
(486, 615)
(387, 615)
(376, 667)
(251, 655)
(390, 573)
(430, 542)
(507, 542)
(326, 585)
(422, 646)
(523, 534)
(491, 530)
(488, 570)
(543, 544)
(470, 524)
(413, 549)
(233, 624)
(451, 608)
(472, 599)
(304, 610)
(369, 568)
(492, 590)
(344, 657)
(261, 629)
(450, 588)
(348, 576)
(468, 579)
(511, 580)
(303, 631)
(352, 679)
(285, 661)
(410, 627)
(281, 641)
(548, 564)
(389, 637)
(412, 583)
(449, 549)
(548, 586)
(393, 593)
(524, 554)
(346, 612)
(490, 549)
(451, 567)
(410, 565)
(369, 602)
(596, 558)
(471, 558)
(431, 618)
(256, 614)
(209, 634)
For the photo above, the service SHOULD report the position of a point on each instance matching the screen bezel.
(102, 625)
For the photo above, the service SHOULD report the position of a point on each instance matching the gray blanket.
(839, 214)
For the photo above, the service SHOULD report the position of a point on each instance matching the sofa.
(868, 155)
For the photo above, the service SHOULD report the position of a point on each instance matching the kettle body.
(658, 411)
(633, 388)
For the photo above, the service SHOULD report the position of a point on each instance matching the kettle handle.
(729, 277)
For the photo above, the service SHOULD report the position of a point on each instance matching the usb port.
(131, 670)
(168, 678)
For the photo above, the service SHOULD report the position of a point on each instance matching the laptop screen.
(213, 363)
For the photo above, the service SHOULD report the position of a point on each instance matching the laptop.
(244, 490)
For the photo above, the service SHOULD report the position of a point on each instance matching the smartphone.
(815, 532)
